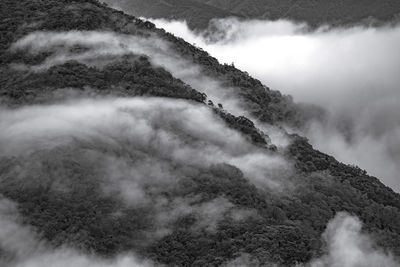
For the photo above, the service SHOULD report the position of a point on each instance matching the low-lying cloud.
(347, 246)
(102, 47)
(352, 72)
(27, 250)
(137, 150)
(165, 129)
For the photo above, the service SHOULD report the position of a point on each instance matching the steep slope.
(94, 162)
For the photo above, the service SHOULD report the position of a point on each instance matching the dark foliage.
(265, 104)
(133, 76)
(199, 13)
(285, 228)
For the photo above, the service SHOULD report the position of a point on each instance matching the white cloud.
(25, 249)
(136, 149)
(162, 128)
(352, 72)
(348, 247)
(103, 46)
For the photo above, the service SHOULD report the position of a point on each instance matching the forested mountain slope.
(113, 142)
(315, 13)
(199, 14)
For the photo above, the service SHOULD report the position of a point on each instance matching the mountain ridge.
(84, 217)
(175, 9)
(314, 13)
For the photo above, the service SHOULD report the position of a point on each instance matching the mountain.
(198, 13)
(315, 13)
(117, 138)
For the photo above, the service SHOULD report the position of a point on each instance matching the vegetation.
(198, 13)
(267, 105)
(129, 76)
(63, 197)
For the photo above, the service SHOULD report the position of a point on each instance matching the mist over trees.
(198, 13)
(358, 97)
(116, 159)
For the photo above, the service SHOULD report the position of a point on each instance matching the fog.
(140, 142)
(141, 151)
(347, 246)
(102, 47)
(165, 129)
(352, 72)
(105, 45)
(27, 250)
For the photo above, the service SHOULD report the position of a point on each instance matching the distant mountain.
(117, 138)
(315, 13)
(198, 14)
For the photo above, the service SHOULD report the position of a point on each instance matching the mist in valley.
(140, 154)
(353, 73)
(136, 150)
(90, 179)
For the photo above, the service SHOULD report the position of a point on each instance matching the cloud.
(144, 146)
(22, 247)
(138, 150)
(207, 214)
(351, 72)
(65, 258)
(347, 246)
(163, 129)
(14, 238)
(102, 47)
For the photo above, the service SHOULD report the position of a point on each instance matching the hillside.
(119, 138)
(197, 13)
(315, 13)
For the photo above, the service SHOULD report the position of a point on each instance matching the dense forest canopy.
(117, 138)
(198, 13)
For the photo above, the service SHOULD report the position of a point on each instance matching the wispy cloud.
(103, 46)
(347, 246)
(22, 247)
(352, 73)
